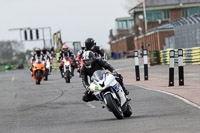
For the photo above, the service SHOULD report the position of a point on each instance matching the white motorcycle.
(47, 68)
(105, 87)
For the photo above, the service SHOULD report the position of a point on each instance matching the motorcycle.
(79, 63)
(73, 64)
(51, 64)
(38, 71)
(47, 69)
(106, 89)
(67, 69)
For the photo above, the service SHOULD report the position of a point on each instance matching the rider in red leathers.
(64, 53)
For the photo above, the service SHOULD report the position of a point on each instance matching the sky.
(77, 19)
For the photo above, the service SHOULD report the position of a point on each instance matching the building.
(135, 35)
(122, 39)
(158, 15)
(187, 32)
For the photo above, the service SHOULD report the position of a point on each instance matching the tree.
(8, 49)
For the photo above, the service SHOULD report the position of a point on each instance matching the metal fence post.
(137, 70)
(180, 67)
(171, 68)
(145, 53)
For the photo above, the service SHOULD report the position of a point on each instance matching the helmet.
(89, 43)
(38, 51)
(88, 58)
(65, 47)
(83, 46)
(44, 51)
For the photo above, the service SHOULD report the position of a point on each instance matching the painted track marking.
(90, 105)
(13, 78)
(171, 94)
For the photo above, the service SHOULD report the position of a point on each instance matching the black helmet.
(88, 58)
(38, 51)
(89, 43)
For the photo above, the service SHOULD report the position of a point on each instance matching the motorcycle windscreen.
(98, 75)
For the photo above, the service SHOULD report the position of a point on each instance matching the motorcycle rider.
(79, 55)
(65, 52)
(90, 44)
(46, 54)
(81, 51)
(36, 55)
(90, 65)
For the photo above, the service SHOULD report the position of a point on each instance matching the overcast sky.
(77, 19)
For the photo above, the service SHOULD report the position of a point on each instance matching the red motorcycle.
(79, 63)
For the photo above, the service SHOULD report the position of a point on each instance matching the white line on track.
(171, 94)
(90, 105)
(13, 78)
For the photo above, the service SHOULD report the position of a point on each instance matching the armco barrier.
(196, 55)
(155, 57)
(190, 55)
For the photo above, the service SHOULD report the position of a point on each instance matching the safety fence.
(190, 55)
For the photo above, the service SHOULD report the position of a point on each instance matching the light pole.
(145, 22)
(145, 16)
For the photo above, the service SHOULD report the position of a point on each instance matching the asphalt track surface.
(57, 107)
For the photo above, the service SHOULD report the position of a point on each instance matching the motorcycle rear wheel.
(128, 111)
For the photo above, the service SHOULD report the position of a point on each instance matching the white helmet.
(88, 58)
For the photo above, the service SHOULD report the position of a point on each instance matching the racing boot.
(119, 78)
(125, 90)
(88, 96)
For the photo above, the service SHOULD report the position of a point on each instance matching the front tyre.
(38, 76)
(67, 77)
(112, 105)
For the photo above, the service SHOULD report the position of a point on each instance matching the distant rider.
(37, 55)
(91, 45)
(65, 52)
(46, 54)
(80, 52)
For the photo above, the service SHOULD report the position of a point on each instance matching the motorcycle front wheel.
(112, 105)
(67, 77)
(38, 76)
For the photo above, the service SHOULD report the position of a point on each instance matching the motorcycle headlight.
(67, 63)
